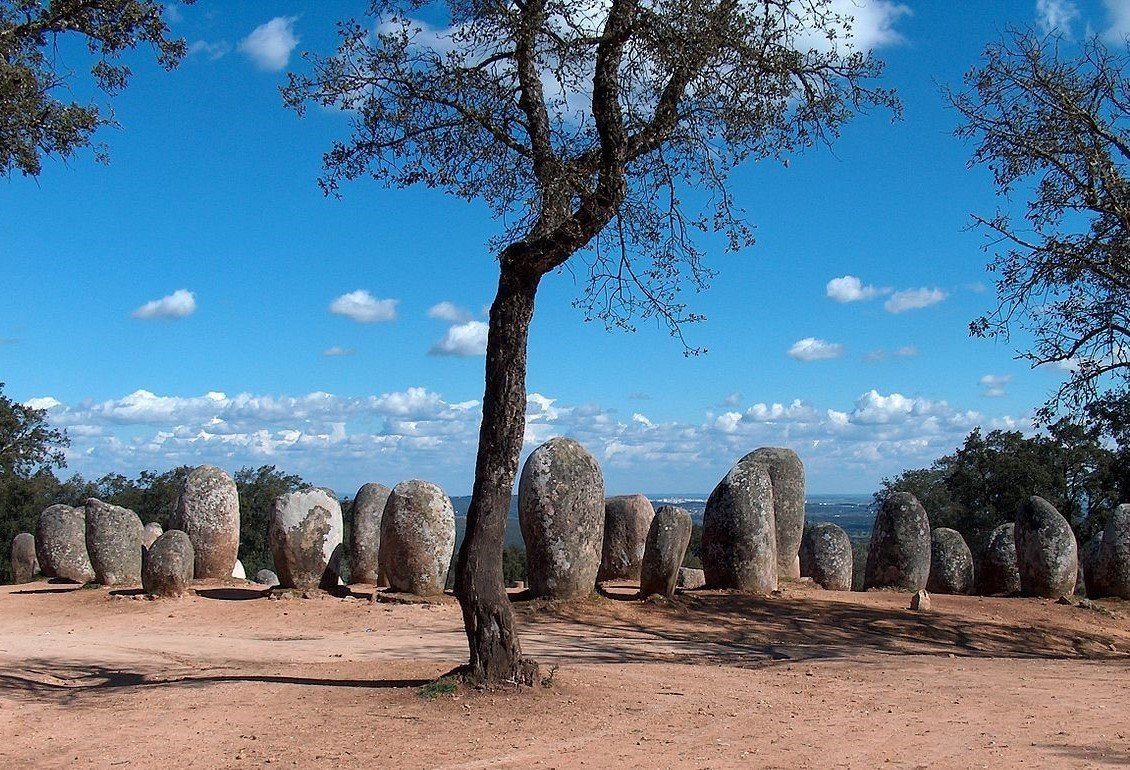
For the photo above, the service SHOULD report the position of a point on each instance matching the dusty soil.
(227, 678)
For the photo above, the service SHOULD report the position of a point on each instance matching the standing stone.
(24, 564)
(1112, 559)
(786, 472)
(150, 534)
(899, 554)
(826, 556)
(691, 578)
(667, 539)
(561, 512)
(113, 540)
(920, 601)
(627, 521)
(1046, 553)
(998, 572)
(238, 572)
(417, 538)
(951, 563)
(739, 537)
(365, 534)
(265, 577)
(305, 536)
(208, 512)
(60, 544)
(1088, 561)
(168, 565)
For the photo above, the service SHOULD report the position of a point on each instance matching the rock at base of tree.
(1111, 560)
(24, 564)
(417, 538)
(786, 471)
(365, 533)
(627, 520)
(113, 540)
(561, 513)
(305, 536)
(265, 577)
(1046, 553)
(951, 563)
(169, 565)
(691, 578)
(899, 554)
(238, 572)
(920, 602)
(208, 512)
(998, 573)
(668, 536)
(150, 534)
(739, 538)
(826, 556)
(60, 544)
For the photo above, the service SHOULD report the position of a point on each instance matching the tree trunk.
(496, 655)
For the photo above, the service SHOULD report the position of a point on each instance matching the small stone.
(168, 566)
(667, 540)
(24, 564)
(691, 578)
(238, 572)
(920, 601)
(266, 578)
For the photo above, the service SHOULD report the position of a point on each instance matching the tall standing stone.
(739, 536)
(417, 538)
(627, 522)
(826, 556)
(668, 536)
(168, 566)
(786, 472)
(60, 544)
(208, 512)
(561, 512)
(305, 536)
(951, 563)
(1046, 553)
(1111, 561)
(899, 554)
(998, 573)
(365, 534)
(113, 540)
(23, 564)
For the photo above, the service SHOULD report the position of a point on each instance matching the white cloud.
(42, 403)
(906, 351)
(1057, 16)
(914, 299)
(812, 349)
(995, 385)
(337, 352)
(363, 307)
(209, 50)
(270, 45)
(874, 21)
(180, 304)
(848, 288)
(1118, 12)
(466, 339)
(449, 311)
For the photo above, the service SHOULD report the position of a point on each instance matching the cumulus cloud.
(849, 288)
(270, 45)
(813, 349)
(180, 304)
(364, 308)
(1118, 13)
(995, 385)
(337, 352)
(914, 299)
(873, 21)
(449, 311)
(1057, 16)
(466, 339)
(42, 403)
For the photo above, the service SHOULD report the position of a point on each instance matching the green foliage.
(693, 558)
(444, 686)
(258, 488)
(513, 565)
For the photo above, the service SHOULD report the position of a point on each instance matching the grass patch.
(444, 686)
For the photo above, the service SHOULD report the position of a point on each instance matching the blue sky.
(209, 211)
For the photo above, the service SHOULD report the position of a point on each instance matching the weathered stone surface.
(208, 512)
(691, 578)
(1046, 553)
(920, 601)
(668, 536)
(365, 534)
(60, 544)
(1088, 561)
(267, 578)
(238, 572)
(899, 554)
(1112, 560)
(24, 564)
(826, 556)
(305, 536)
(168, 566)
(739, 537)
(150, 533)
(113, 540)
(786, 472)
(951, 563)
(627, 521)
(561, 512)
(997, 572)
(417, 538)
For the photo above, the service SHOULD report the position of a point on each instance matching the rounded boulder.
(899, 554)
(951, 563)
(739, 537)
(60, 544)
(627, 523)
(997, 572)
(365, 534)
(265, 577)
(208, 512)
(1047, 556)
(305, 535)
(24, 564)
(113, 540)
(561, 513)
(786, 472)
(417, 538)
(826, 556)
(1111, 561)
(168, 566)
(691, 578)
(668, 536)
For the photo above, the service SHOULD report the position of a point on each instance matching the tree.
(35, 118)
(582, 127)
(258, 489)
(1056, 130)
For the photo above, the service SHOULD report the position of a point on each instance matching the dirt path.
(807, 679)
